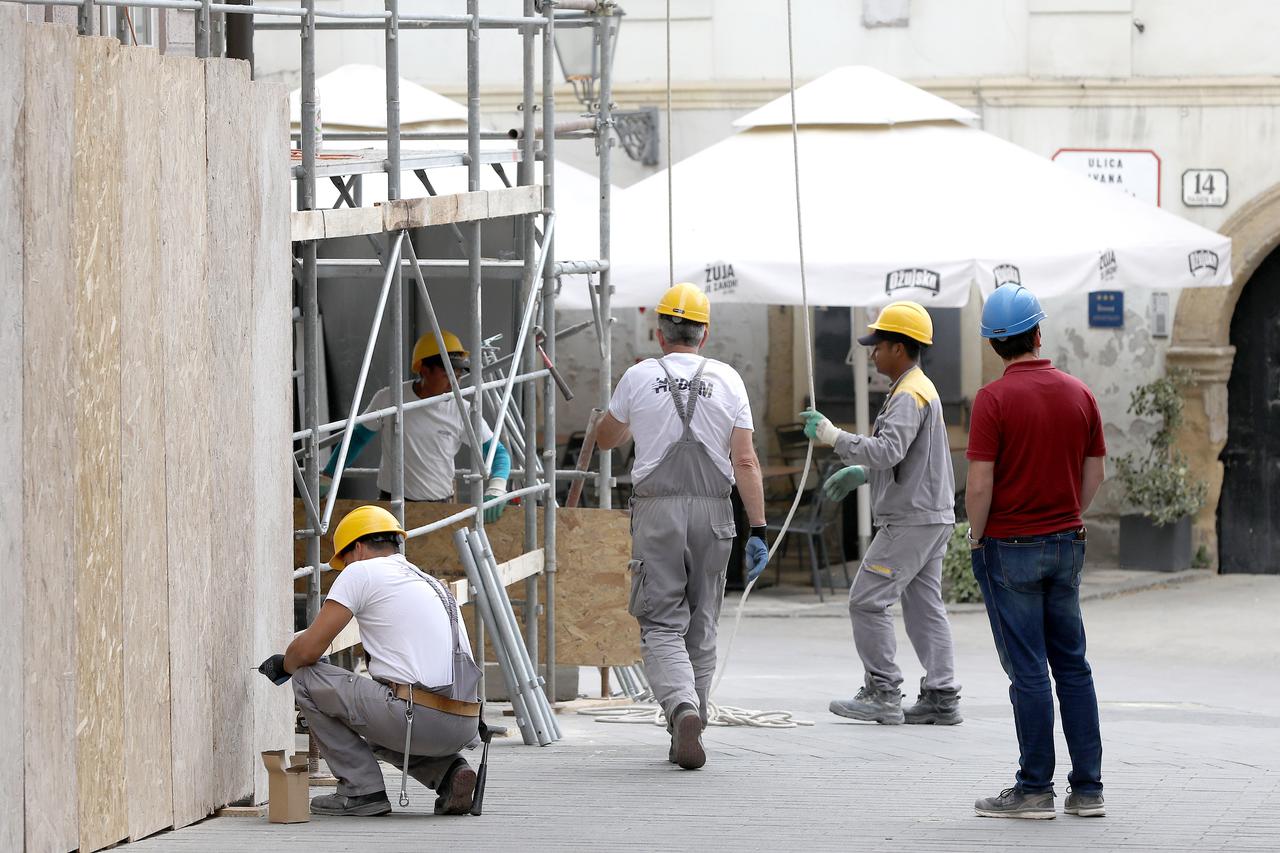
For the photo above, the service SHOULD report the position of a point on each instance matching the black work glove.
(273, 668)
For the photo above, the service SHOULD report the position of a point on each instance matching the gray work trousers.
(903, 563)
(357, 721)
(680, 550)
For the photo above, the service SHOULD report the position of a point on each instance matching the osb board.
(187, 419)
(593, 547)
(271, 369)
(230, 223)
(13, 63)
(96, 237)
(48, 430)
(148, 759)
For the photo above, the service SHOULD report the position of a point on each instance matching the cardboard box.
(287, 787)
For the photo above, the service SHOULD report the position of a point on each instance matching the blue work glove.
(273, 669)
(757, 557)
(841, 483)
(818, 428)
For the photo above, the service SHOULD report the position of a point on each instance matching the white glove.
(827, 433)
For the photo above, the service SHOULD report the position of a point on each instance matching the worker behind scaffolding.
(433, 434)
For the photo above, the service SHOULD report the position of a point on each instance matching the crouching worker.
(423, 697)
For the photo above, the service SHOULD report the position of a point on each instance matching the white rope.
(728, 715)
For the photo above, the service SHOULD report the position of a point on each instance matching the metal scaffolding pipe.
(549, 327)
(395, 358)
(574, 126)
(310, 298)
(528, 248)
(579, 268)
(469, 512)
(606, 23)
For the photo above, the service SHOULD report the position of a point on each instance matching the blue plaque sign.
(1106, 309)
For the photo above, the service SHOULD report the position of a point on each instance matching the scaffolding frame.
(537, 271)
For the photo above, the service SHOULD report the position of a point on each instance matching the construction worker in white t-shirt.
(433, 434)
(424, 684)
(691, 422)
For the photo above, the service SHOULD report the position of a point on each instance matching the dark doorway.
(1249, 512)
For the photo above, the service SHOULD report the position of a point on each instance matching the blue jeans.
(1031, 586)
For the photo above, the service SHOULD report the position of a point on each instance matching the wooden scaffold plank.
(13, 64)
(148, 758)
(98, 555)
(231, 232)
(187, 419)
(271, 368)
(48, 410)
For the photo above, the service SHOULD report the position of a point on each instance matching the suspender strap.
(685, 406)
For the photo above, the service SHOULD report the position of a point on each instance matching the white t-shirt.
(433, 435)
(642, 400)
(403, 623)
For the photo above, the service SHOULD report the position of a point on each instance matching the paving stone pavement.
(1187, 677)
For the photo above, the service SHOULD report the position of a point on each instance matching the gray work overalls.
(682, 533)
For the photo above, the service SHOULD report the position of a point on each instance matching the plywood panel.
(99, 608)
(231, 231)
(271, 368)
(49, 436)
(148, 761)
(187, 417)
(593, 547)
(13, 63)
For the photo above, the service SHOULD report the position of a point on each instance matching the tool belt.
(427, 699)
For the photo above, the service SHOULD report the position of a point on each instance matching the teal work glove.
(757, 558)
(844, 481)
(497, 488)
(818, 428)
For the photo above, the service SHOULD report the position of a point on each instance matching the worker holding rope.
(913, 498)
(693, 430)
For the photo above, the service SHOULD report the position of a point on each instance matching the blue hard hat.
(1010, 310)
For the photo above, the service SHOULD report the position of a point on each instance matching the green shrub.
(1158, 484)
(958, 583)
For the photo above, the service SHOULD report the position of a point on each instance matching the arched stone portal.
(1202, 343)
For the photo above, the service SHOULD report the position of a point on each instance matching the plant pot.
(1151, 547)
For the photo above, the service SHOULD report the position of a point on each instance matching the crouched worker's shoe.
(1084, 805)
(365, 805)
(1013, 803)
(871, 705)
(934, 707)
(686, 738)
(455, 793)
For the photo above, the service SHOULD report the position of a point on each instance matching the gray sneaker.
(871, 705)
(934, 707)
(365, 805)
(1084, 805)
(1014, 803)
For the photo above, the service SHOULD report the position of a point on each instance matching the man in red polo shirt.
(1035, 462)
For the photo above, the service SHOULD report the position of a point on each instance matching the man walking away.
(1036, 454)
(691, 420)
(425, 683)
(913, 499)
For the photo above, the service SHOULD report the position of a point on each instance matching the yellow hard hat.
(361, 521)
(903, 318)
(686, 302)
(426, 347)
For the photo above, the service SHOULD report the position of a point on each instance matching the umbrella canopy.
(353, 97)
(902, 199)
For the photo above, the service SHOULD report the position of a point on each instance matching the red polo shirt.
(1037, 424)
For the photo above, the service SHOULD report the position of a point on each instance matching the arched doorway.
(1248, 533)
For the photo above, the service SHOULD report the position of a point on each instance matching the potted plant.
(1158, 486)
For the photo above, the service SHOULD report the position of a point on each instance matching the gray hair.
(681, 333)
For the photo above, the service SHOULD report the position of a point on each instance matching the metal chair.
(813, 519)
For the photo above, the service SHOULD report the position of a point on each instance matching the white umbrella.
(902, 200)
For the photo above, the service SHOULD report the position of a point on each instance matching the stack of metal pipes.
(534, 715)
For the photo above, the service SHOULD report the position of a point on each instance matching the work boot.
(934, 707)
(455, 793)
(686, 737)
(872, 704)
(365, 805)
(1084, 805)
(1014, 803)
